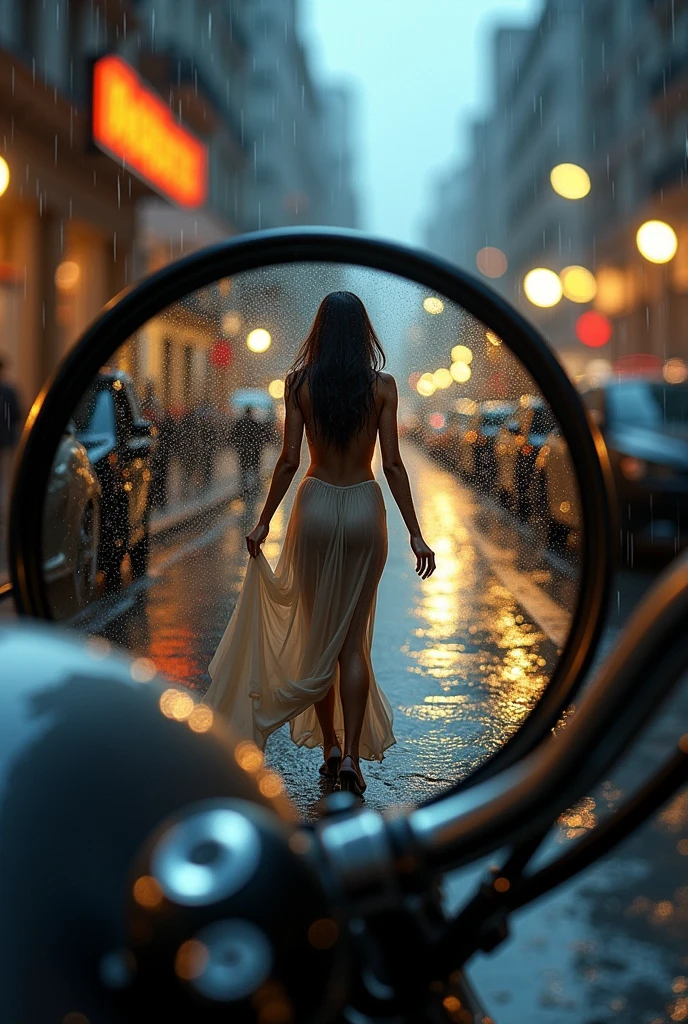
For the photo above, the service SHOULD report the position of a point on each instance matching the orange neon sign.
(131, 123)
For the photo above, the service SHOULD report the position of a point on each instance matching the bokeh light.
(675, 371)
(231, 323)
(442, 378)
(433, 305)
(570, 181)
(656, 241)
(612, 289)
(491, 262)
(542, 287)
(460, 372)
(593, 329)
(67, 275)
(437, 420)
(4, 175)
(426, 385)
(578, 283)
(276, 388)
(461, 354)
(259, 340)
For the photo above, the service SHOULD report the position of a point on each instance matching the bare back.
(352, 465)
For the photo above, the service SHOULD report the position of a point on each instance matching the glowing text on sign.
(132, 124)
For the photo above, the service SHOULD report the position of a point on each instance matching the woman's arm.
(397, 477)
(282, 476)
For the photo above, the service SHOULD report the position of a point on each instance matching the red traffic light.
(593, 329)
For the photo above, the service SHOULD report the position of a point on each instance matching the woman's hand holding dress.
(256, 538)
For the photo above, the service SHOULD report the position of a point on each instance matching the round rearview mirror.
(147, 461)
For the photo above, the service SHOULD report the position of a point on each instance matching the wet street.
(463, 657)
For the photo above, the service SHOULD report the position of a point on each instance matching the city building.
(136, 132)
(508, 219)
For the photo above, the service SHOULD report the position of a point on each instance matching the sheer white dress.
(278, 655)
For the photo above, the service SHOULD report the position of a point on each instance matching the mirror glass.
(163, 471)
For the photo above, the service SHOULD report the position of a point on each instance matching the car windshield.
(95, 418)
(640, 403)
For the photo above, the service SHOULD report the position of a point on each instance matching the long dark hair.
(340, 359)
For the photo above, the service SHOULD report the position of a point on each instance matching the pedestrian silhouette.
(248, 437)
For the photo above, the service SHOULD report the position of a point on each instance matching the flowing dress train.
(279, 652)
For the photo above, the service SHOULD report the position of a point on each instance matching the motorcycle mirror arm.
(368, 852)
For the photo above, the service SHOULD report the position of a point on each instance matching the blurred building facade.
(77, 224)
(602, 84)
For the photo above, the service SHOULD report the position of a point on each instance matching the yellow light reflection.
(493, 338)
(176, 704)
(426, 385)
(442, 378)
(201, 718)
(276, 388)
(270, 784)
(248, 756)
(433, 305)
(461, 354)
(460, 372)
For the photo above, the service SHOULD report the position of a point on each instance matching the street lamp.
(259, 340)
(656, 241)
(570, 181)
(542, 287)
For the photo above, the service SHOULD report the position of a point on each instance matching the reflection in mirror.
(164, 469)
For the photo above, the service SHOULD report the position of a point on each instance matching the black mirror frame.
(127, 312)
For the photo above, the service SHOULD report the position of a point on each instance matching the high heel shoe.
(350, 777)
(330, 766)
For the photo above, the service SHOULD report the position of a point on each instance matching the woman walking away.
(297, 648)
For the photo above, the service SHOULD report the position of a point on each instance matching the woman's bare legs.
(324, 709)
(354, 675)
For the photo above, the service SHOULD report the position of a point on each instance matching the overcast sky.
(420, 72)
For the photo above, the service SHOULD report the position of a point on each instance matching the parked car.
(562, 500)
(120, 446)
(519, 483)
(476, 455)
(645, 426)
(71, 527)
